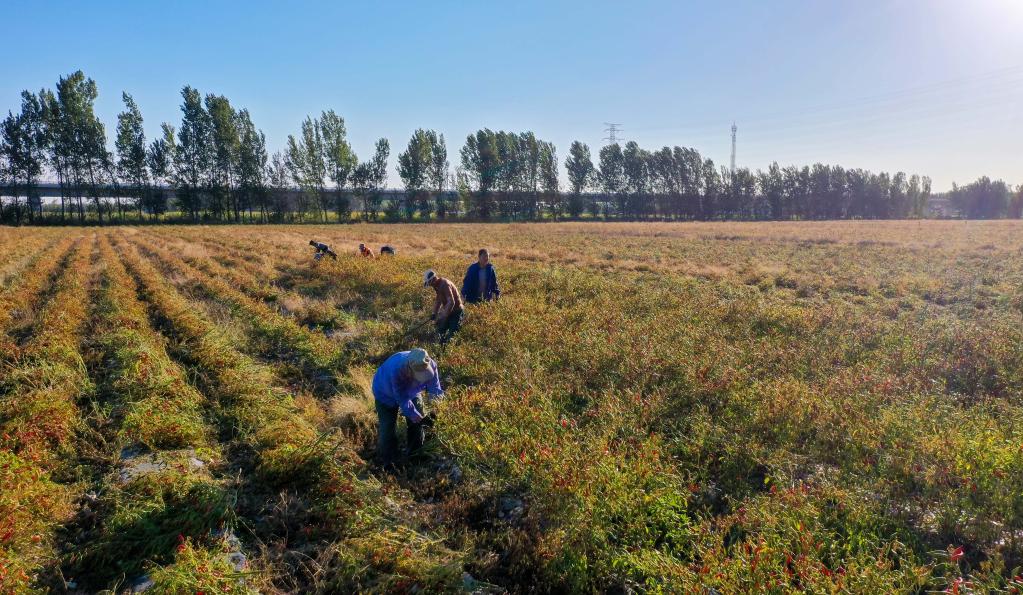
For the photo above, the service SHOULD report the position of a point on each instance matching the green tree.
(838, 194)
(612, 174)
(194, 156)
(481, 170)
(529, 155)
(368, 181)
(689, 164)
(278, 176)
(982, 199)
(56, 146)
(635, 164)
(375, 175)
(225, 144)
(131, 152)
(438, 173)
(819, 182)
(160, 160)
(581, 174)
(710, 202)
(252, 159)
(898, 196)
(414, 169)
(339, 158)
(22, 144)
(77, 140)
(306, 162)
(361, 176)
(773, 186)
(79, 98)
(1016, 204)
(549, 183)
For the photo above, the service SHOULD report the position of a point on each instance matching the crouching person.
(447, 308)
(397, 386)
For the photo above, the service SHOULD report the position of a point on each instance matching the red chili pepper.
(956, 554)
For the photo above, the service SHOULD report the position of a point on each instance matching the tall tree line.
(509, 175)
(216, 162)
(678, 183)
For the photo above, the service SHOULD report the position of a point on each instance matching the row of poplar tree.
(217, 164)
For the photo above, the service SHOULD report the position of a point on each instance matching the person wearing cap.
(365, 251)
(397, 386)
(322, 249)
(447, 308)
(480, 283)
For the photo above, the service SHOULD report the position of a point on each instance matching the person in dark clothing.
(387, 250)
(322, 249)
(480, 283)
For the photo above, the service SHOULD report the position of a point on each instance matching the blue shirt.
(473, 291)
(395, 386)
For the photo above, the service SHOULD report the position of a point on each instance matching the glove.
(430, 419)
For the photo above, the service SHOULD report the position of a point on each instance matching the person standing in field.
(397, 387)
(322, 249)
(366, 251)
(480, 283)
(447, 308)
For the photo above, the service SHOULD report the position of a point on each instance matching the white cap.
(428, 276)
(419, 362)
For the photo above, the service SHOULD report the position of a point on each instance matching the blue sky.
(924, 86)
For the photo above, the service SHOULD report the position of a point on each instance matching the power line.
(612, 131)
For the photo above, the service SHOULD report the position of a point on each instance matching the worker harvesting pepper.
(447, 308)
(397, 387)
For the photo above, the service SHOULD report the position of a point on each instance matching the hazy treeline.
(986, 199)
(217, 164)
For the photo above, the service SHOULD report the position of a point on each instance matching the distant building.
(941, 208)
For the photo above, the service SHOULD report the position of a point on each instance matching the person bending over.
(447, 308)
(322, 249)
(397, 387)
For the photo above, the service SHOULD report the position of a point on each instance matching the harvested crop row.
(157, 407)
(291, 454)
(313, 351)
(18, 257)
(162, 473)
(19, 298)
(38, 422)
(247, 281)
(253, 280)
(253, 261)
(10, 242)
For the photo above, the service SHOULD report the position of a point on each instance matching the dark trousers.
(387, 432)
(449, 326)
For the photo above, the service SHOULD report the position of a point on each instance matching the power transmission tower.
(612, 131)
(734, 130)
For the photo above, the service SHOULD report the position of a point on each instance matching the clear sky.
(924, 86)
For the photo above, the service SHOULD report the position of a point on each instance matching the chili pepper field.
(825, 407)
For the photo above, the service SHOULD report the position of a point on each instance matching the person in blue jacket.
(397, 386)
(480, 283)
